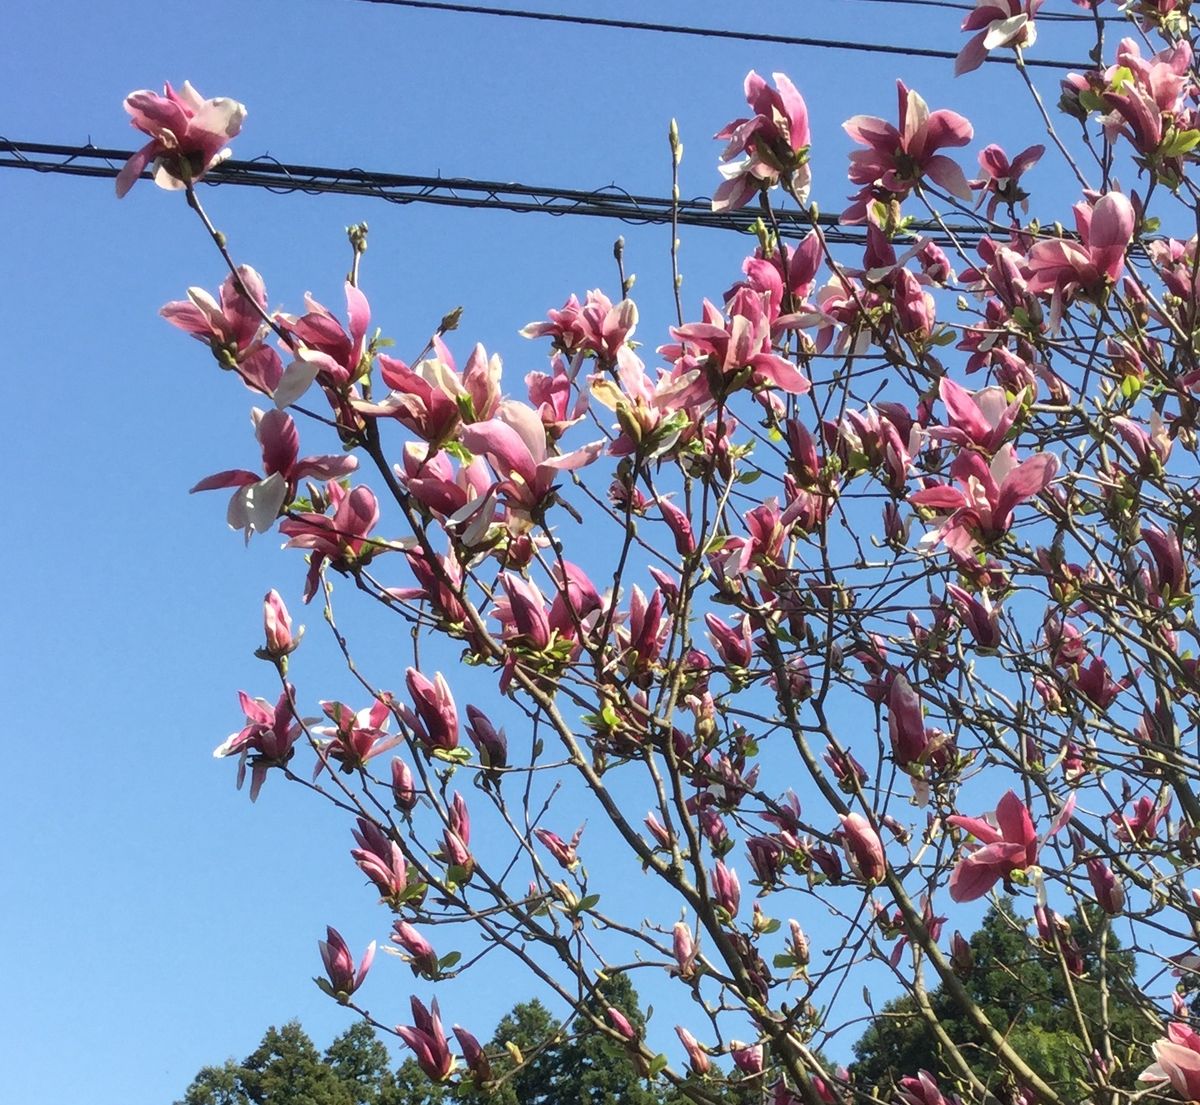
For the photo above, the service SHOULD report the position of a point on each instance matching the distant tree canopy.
(537, 1060)
(287, 1069)
(1026, 996)
(567, 1065)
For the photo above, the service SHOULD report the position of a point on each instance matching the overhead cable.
(713, 32)
(1042, 16)
(609, 202)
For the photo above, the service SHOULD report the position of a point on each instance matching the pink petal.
(1110, 233)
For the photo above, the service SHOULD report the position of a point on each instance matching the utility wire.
(712, 32)
(610, 202)
(1042, 17)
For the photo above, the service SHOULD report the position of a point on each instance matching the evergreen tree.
(1024, 994)
(361, 1063)
(216, 1086)
(287, 1069)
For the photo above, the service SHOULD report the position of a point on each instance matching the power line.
(609, 202)
(711, 32)
(1042, 17)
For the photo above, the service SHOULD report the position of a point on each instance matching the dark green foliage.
(1020, 987)
(287, 1069)
(216, 1086)
(564, 1066)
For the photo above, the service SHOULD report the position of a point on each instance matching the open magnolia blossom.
(188, 135)
(774, 600)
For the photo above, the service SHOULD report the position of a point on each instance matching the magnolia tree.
(860, 595)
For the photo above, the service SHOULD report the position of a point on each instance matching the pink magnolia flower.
(456, 493)
(258, 500)
(1108, 888)
(342, 540)
(489, 742)
(524, 619)
(621, 1023)
(277, 625)
(514, 443)
(897, 158)
(980, 509)
(266, 741)
(404, 786)
(187, 135)
(379, 858)
(980, 420)
(997, 23)
(594, 328)
(1177, 1059)
(1064, 267)
(355, 738)
(566, 853)
(552, 394)
(978, 615)
(435, 720)
(775, 141)
(1008, 843)
(342, 979)
(1169, 574)
(683, 945)
(474, 1056)
(428, 1041)
(748, 1058)
(766, 275)
(864, 849)
(419, 399)
(906, 724)
(1141, 823)
(419, 952)
(1148, 95)
(325, 351)
(734, 644)
(726, 889)
(732, 352)
(233, 328)
(697, 1057)
(921, 1090)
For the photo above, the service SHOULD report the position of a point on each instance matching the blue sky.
(155, 921)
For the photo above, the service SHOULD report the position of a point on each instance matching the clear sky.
(153, 920)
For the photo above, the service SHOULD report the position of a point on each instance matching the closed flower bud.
(341, 978)
(473, 1055)
(277, 624)
(420, 954)
(404, 787)
(748, 1058)
(962, 959)
(864, 849)
(697, 1058)
(684, 948)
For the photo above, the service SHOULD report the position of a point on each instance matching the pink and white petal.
(576, 459)
(256, 507)
(1003, 32)
(358, 313)
(297, 378)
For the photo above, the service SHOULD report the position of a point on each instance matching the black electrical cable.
(712, 32)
